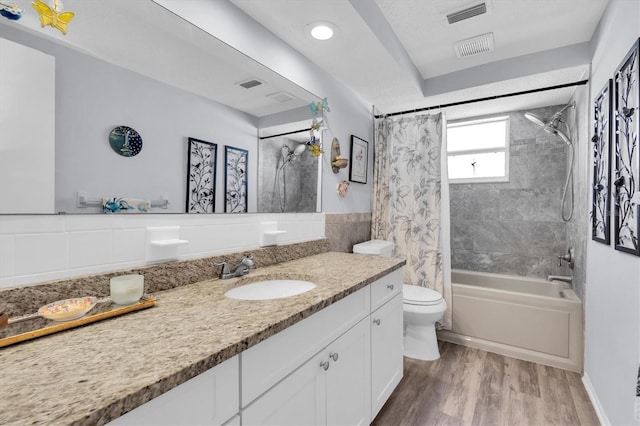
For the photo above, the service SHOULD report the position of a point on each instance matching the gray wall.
(612, 288)
(515, 227)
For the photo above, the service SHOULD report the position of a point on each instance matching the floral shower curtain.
(411, 199)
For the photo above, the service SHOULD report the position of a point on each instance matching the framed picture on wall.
(201, 176)
(601, 206)
(626, 196)
(236, 161)
(359, 160)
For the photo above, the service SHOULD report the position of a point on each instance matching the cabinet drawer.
(270, 361)
(385, 288)
(210, 398)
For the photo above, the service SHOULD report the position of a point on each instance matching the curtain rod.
(285, 134)
(488, 98)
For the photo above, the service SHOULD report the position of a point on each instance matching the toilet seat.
(420, 296)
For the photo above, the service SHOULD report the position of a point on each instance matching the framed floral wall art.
(235, 179)
(601, 206)
(627, 157)
(201, 176)
(359, 160)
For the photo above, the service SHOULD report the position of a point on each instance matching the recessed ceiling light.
(322, 30)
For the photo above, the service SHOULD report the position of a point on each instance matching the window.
(478, 150)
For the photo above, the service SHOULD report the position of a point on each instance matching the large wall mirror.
(136, 66)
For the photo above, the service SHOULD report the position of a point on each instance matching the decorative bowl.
(68, 309)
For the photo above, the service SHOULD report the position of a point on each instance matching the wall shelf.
(169, 243)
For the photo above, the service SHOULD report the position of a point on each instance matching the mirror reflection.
(173, 83)
(289, 175)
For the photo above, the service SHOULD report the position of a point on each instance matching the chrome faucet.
(564, 278)
(569, 258)
(243, 268)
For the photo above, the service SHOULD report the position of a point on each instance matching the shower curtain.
(411, 199)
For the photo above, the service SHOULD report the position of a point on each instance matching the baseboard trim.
(604, 421)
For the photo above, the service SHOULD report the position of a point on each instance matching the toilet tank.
(375, 247)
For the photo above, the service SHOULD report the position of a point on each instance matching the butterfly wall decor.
(317, 107)
(53, 16)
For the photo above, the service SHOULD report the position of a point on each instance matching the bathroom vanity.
(330, 355)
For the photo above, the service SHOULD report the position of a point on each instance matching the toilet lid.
(415, 295)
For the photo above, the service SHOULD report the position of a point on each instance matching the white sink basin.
(270, 289)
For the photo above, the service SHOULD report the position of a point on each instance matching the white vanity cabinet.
(386, 338)
(386, 352)
(349, 377)
(211, 398)
(338, 366)
(330, 388)
(314, 371)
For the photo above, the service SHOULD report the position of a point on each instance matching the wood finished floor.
(468, 386)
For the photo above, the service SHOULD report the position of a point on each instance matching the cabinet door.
(349, 377)
(211, 398)
(299, 399)
(386, 352)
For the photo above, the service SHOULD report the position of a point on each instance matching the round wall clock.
(125, 141)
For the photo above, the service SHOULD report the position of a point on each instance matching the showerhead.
(551, 125)
(555, 131)
(289, 155)
(299, 149)
(534, 119)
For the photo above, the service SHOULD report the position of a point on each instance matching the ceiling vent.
(474, 46)
(469, 12)
(281, 97)
(250, 83)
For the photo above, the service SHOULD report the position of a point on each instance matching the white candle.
(126, 289)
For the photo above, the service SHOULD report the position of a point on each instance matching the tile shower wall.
(343, 230)
(579, 227)
(514, 227)
(297, 182)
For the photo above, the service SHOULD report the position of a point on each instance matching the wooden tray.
(33, 326)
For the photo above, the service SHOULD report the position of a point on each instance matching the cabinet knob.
(333, 356)
(390, 286)
(324, 365)
(376, 321)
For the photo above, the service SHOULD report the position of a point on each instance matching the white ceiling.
(146, 38)
(394, 54)
(399, 55)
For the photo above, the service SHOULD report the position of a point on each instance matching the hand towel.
(125, 205)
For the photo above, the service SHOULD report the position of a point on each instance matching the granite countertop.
(94, 374)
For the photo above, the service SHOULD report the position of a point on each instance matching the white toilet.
(422, 308)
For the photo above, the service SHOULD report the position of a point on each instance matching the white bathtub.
(526, 318)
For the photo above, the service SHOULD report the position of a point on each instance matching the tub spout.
(564, 278)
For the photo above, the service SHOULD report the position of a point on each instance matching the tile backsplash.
(343, 230)
(37, 248)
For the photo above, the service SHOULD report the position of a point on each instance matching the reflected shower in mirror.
(289, 175)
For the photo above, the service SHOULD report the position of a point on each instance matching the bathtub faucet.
(569, 258)
(564, 278)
